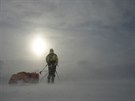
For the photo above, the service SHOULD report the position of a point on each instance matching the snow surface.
(98, 90)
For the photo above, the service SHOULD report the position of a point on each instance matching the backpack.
(51, 58)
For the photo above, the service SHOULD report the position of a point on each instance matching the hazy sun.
(39, 45)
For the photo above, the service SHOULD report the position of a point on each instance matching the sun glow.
(39, 46)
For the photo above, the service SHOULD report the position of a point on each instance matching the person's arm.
(57, 60)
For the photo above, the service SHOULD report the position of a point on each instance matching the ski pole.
(57, 75)
(43, 69)
(43, 76)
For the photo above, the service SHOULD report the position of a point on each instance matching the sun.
(39, 46)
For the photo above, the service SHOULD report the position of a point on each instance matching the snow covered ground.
(74, 85)
(98, 90)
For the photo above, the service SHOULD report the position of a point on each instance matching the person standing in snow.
(52, 62)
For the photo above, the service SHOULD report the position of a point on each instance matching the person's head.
(51, 50)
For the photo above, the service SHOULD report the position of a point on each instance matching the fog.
(63, 90)
(94, 40)
(74, 85)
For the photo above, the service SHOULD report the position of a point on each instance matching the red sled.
(24, 77)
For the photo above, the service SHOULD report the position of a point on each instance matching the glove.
(56, 64)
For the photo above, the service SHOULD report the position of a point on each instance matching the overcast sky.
(94, 40)
(87, 35)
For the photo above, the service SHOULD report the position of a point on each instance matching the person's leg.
(48, 79)
(49, 74)
(53, 73)
(53, 79)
